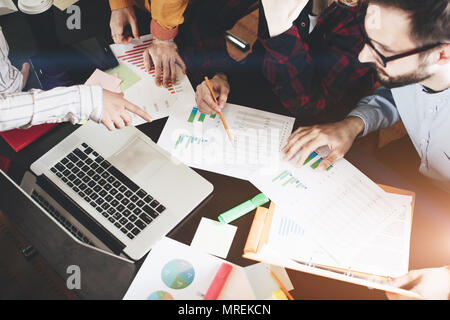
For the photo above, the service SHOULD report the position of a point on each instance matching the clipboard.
(256, 249)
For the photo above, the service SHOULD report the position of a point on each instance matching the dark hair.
(430, 19)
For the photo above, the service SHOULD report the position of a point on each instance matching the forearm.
(76, 103)
(377, 111)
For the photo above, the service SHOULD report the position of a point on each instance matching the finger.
(293, 139)
(307, 149)
(393, 296)
(147, 61)
(126, 117)
(134, 28)
(181, 63)
(118, 122)
(173, 71)
(329, 160)
(208, 100)
(166, 72)
(108, 124)
(128, 39)
(158, 71)
(136, 110)
(223, 96)
(406, 280)
(296, 132)
(118, 38)
(204, 108)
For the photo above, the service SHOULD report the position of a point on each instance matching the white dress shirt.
(426, 117)
(25, 109)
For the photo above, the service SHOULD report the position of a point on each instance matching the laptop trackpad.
(138, 158)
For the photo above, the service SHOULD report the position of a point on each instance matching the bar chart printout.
(257, 139)
(338, 206)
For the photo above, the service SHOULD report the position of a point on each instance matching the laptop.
(54, 239)
(115, 190)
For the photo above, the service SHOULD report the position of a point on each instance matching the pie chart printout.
(160, 295)
(178, 274)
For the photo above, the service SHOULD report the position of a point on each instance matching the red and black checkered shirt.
(320, 71)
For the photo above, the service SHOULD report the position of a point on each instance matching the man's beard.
(419, 75)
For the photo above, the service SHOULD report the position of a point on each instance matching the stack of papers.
(337, 217)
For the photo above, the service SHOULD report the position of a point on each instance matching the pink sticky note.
(106, 81)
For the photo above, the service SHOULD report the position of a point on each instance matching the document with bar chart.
(340, 206)
(159, 102)
(386, 254)
(200, 140)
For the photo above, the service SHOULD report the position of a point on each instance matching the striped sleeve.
(11, 79)
(74, 104)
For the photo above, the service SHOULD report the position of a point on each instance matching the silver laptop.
(116, 190)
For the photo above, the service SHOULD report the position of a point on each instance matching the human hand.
(337, 136)
(431, 283)
(121, 18)
(165, 58)
(205, 101)
(25, 71)
(115, 111)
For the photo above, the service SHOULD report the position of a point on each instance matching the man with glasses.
(408, 43)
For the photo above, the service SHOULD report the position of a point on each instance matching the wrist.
(221, 76)
(355, 124)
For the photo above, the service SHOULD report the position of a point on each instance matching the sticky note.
(104, 80)
(214, 237)
(126, 75)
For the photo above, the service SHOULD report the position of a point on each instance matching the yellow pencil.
(220, 113)
(282, 287)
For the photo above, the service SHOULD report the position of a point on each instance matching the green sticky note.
(125, 74)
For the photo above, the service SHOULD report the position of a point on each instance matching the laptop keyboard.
(60, 218)
(129, 208)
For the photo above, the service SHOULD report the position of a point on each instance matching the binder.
(20, 138)
(259, 235)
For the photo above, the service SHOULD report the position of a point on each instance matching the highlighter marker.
(243, 208)
(218, 282)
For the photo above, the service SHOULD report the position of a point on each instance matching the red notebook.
(20, 138)
(4, 164)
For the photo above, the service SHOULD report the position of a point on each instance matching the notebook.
(20, 138)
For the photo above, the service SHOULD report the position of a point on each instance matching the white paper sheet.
(214, 237)
(340, 208)
(384, 254)
(159, 102)
(200, 141)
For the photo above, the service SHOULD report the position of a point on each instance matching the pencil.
(282, 287)
(220, 113)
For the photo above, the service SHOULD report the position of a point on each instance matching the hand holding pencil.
(207, 93)
(212, 103)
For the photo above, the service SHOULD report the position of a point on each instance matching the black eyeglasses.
(385, 59)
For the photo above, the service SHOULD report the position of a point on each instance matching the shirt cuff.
(161, 33)
(360, 112)
(120, 4)
(91, 103)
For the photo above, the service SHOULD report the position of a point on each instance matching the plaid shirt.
(311, 73)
